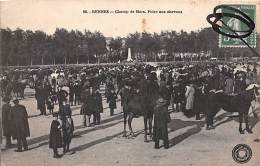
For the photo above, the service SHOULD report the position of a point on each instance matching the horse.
(19, 85)
(136, 103)
(231, 103)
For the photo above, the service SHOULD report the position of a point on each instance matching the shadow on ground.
(177, 124)
(88, 145)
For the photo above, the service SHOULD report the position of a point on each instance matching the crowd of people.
(176, 86)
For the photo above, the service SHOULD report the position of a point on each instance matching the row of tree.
(20, 47)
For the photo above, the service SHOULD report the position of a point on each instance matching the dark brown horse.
(137, 103)
(238, 103)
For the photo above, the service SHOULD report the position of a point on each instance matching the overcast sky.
(47, 15)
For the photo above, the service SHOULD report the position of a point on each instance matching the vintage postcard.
(130, 83)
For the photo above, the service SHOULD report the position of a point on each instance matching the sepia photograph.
(130, 83)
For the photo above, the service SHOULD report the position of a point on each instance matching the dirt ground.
(103, 145)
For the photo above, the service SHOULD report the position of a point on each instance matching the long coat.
(89, 104)
(189, 97)
(161, 118)
(98, 107)
(7, 120)
(20, 122)
(41, 96)
(55, 138)
(112, 100)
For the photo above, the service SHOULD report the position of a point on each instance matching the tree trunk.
(65, 60)
(42, 59)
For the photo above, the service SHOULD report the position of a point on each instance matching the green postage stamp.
(238, 25)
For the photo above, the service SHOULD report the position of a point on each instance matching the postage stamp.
(238, 25)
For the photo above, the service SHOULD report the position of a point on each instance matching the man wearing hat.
(21, 128)
(98, 106)
(7, 121)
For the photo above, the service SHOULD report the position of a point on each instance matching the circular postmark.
(242, 153)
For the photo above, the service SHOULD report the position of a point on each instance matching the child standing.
(50, 105)
(54, 96)
(55, 136)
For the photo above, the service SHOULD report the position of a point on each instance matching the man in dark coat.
(21, 128)
(41, 97)
(41, 94)
(87, 105)
(7, 121)
(71, 91)
(98, 106)
(77, 91)
(111, 99)
(161, 118)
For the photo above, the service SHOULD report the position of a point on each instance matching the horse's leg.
(255, 115)
(145, 128)
(211, 122)
(207, 122)
(247, 124)
(197, 112)
(211, 117)
(125, 117)
(68, 147)
(150, 120)
(240, 123)
(253, 108)
(130, 118)
(23, 89)
(64, 147)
